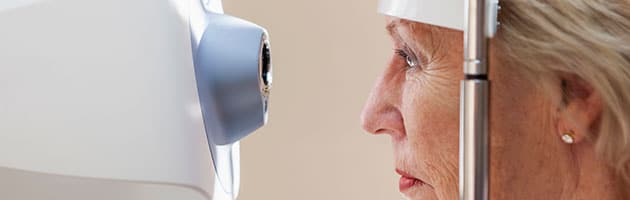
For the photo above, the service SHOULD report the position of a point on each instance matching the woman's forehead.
(418, 35)
(393, 25)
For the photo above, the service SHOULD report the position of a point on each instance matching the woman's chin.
(419, 192)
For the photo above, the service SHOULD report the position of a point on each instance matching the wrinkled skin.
(419, 108)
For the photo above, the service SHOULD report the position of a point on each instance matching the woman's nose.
(381, 113)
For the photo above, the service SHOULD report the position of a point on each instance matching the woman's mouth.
(407, 181)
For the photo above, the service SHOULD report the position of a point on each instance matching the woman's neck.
(593, 179)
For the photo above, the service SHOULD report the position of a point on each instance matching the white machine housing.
(100, 99)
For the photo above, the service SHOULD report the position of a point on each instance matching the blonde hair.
(586, 38)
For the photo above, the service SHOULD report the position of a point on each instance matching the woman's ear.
(581, 109)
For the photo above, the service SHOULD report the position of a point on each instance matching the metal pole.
(474, 106)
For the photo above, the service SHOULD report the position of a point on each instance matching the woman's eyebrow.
(391, 27)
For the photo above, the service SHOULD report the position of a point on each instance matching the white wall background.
(326, 54)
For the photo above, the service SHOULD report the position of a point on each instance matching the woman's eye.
(409, 58)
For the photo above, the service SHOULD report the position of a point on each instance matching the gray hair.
(589, 39)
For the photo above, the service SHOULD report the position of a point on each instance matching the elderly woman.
(560, 102)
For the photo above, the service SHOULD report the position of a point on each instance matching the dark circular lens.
(266, 71)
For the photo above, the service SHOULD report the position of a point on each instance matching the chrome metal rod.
(475, 38)
(474, 169)
(474, 140)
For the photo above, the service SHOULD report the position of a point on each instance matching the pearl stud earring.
(568, 137)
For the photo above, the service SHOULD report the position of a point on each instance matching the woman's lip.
(407, 181)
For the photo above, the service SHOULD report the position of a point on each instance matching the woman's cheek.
(432, 124)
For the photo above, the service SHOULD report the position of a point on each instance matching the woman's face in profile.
(418, 106)
(416, 102)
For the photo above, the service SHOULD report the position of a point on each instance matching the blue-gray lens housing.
(233, 71)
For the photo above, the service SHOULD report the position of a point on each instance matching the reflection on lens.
(266, 71)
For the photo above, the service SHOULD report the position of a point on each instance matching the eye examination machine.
(478, 20)
(127, 99)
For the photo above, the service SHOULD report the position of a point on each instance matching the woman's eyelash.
(401, 53)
